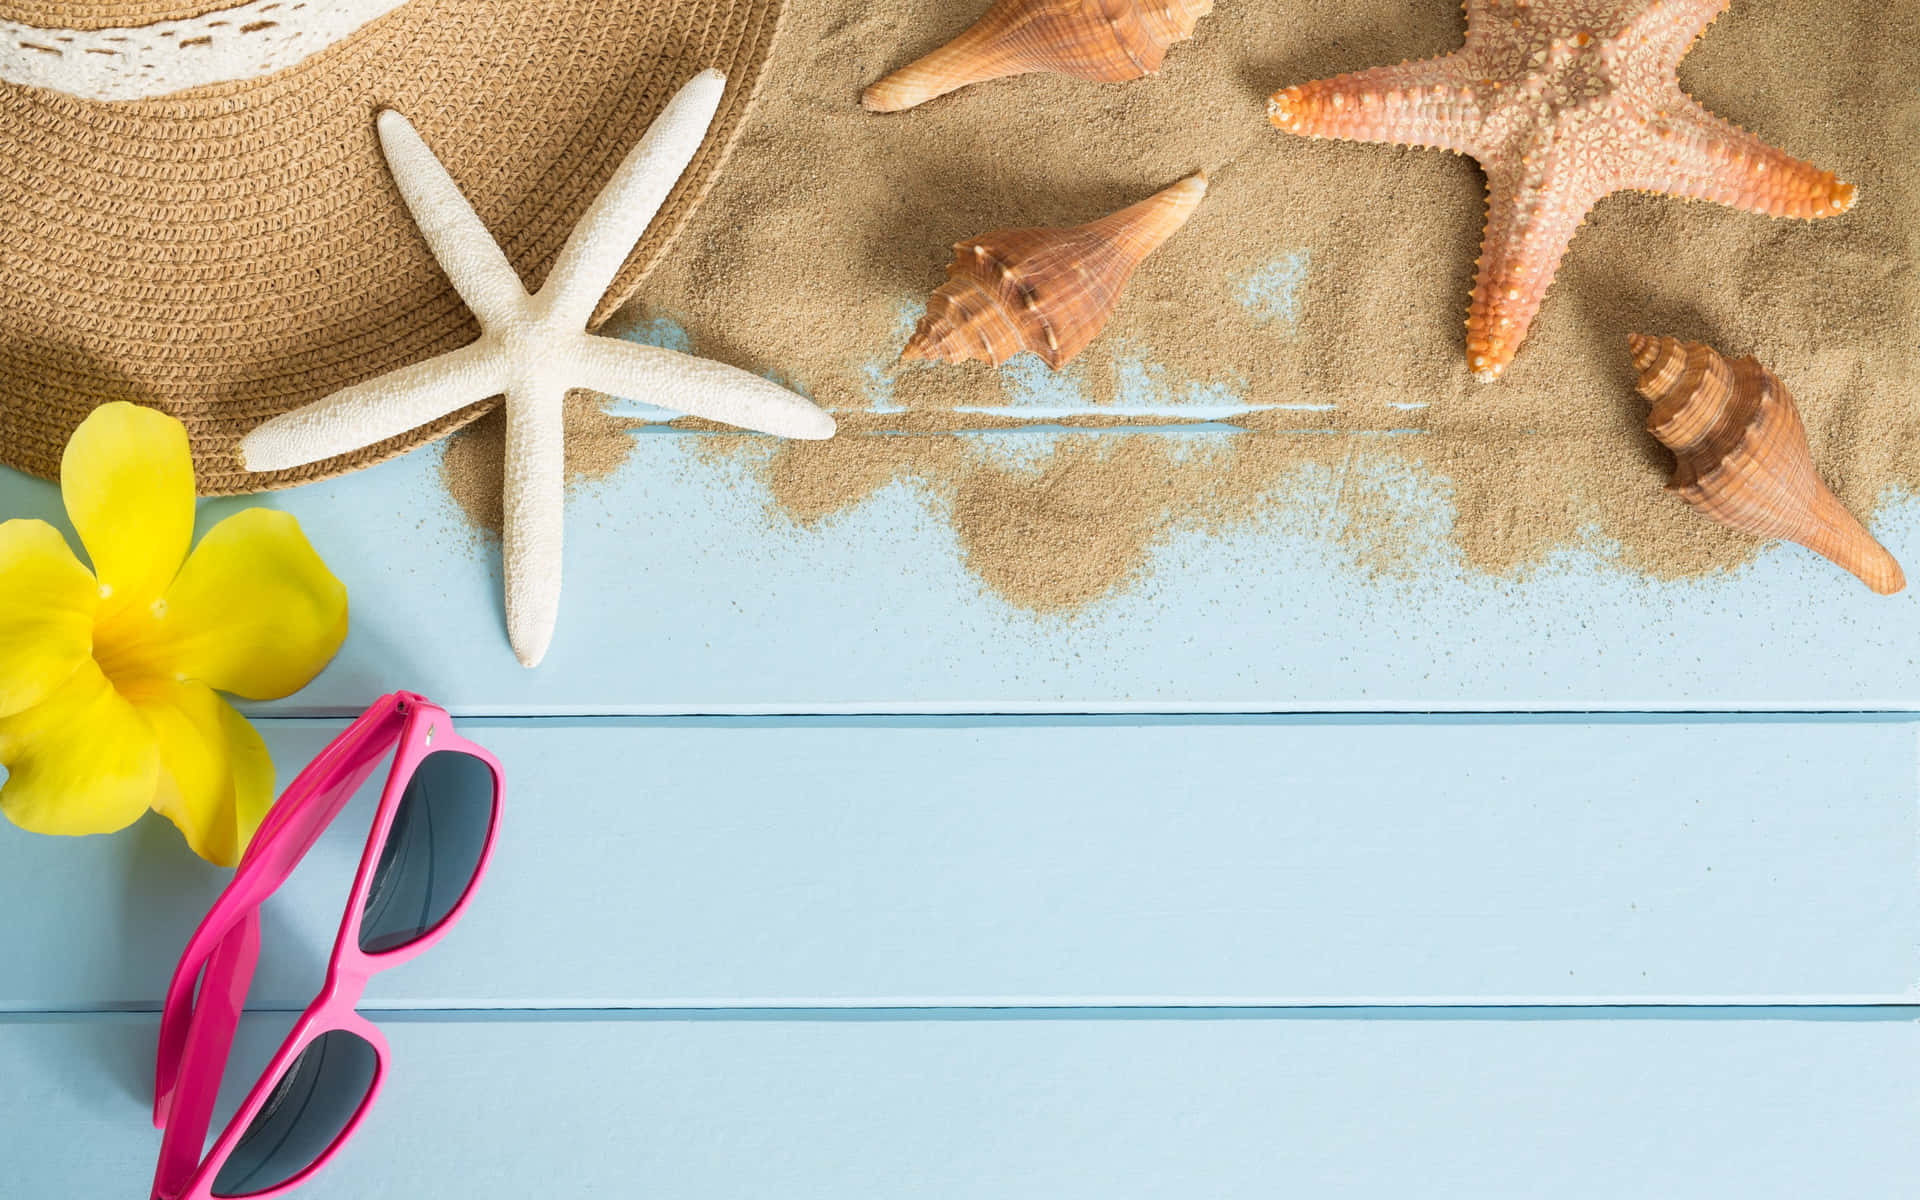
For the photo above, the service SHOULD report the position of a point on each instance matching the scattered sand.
(474, 463)
(1314, 273)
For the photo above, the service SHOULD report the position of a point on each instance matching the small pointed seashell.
(1741, 455)
(1050, 291)
(1106, 40)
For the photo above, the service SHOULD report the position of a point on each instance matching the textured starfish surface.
(533, 348)
(1562, 102)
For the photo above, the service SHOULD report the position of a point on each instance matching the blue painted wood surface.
(1464, 1106)
(731, 862)
(686, 592)
(987, 955)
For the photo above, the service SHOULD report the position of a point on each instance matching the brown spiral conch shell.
(1741, 455)
(1106, 40)
(1050, 291)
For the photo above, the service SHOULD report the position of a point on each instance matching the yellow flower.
(108, 677)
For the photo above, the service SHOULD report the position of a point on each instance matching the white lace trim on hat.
(242, 42)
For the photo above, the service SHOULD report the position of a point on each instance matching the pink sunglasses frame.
(196, 1033)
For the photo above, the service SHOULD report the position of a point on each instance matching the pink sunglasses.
(432, 836)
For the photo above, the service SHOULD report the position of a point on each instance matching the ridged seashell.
(1741, 455)
(1105, 40)
(1050, 291)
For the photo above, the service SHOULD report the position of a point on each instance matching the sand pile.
(1331, 277)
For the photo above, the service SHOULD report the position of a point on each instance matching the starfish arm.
(1695, 155)
(534, 510)
(1667, 28)
(1425, 103)
(698, 387)
(614, 223)
(1531, 219)
(472, 260)
(383, 407)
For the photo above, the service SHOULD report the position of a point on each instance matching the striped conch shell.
(1050, 291)
(1105, 40)
(1741, 455)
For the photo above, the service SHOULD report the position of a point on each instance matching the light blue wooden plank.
(1070, 1109)
(930, 861)
(685, 593)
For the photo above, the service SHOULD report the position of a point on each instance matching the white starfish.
(533, 348)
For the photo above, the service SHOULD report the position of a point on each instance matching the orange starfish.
(1562, 102)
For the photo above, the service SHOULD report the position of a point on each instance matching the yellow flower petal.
(46, 613)
(81, 761)
(254, 612)
(127, 479)
(216, 780)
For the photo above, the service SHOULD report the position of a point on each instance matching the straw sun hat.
(195, 213)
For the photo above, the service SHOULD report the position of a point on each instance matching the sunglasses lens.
(432, 852)
(311, 1106)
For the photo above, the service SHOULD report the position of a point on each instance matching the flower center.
(132, 644)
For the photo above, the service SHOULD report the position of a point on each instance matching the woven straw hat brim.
(104, 14)
(234, 252)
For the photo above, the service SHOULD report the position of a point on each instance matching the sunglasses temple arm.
(310, 802)
(185, 1108)
(316, 795)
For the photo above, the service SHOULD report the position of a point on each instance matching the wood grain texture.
(685, 593)
(1096, 861)
(1079, 865)
(1490, 1107)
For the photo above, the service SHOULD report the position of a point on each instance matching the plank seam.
(1307, 1012)
(832, 715)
